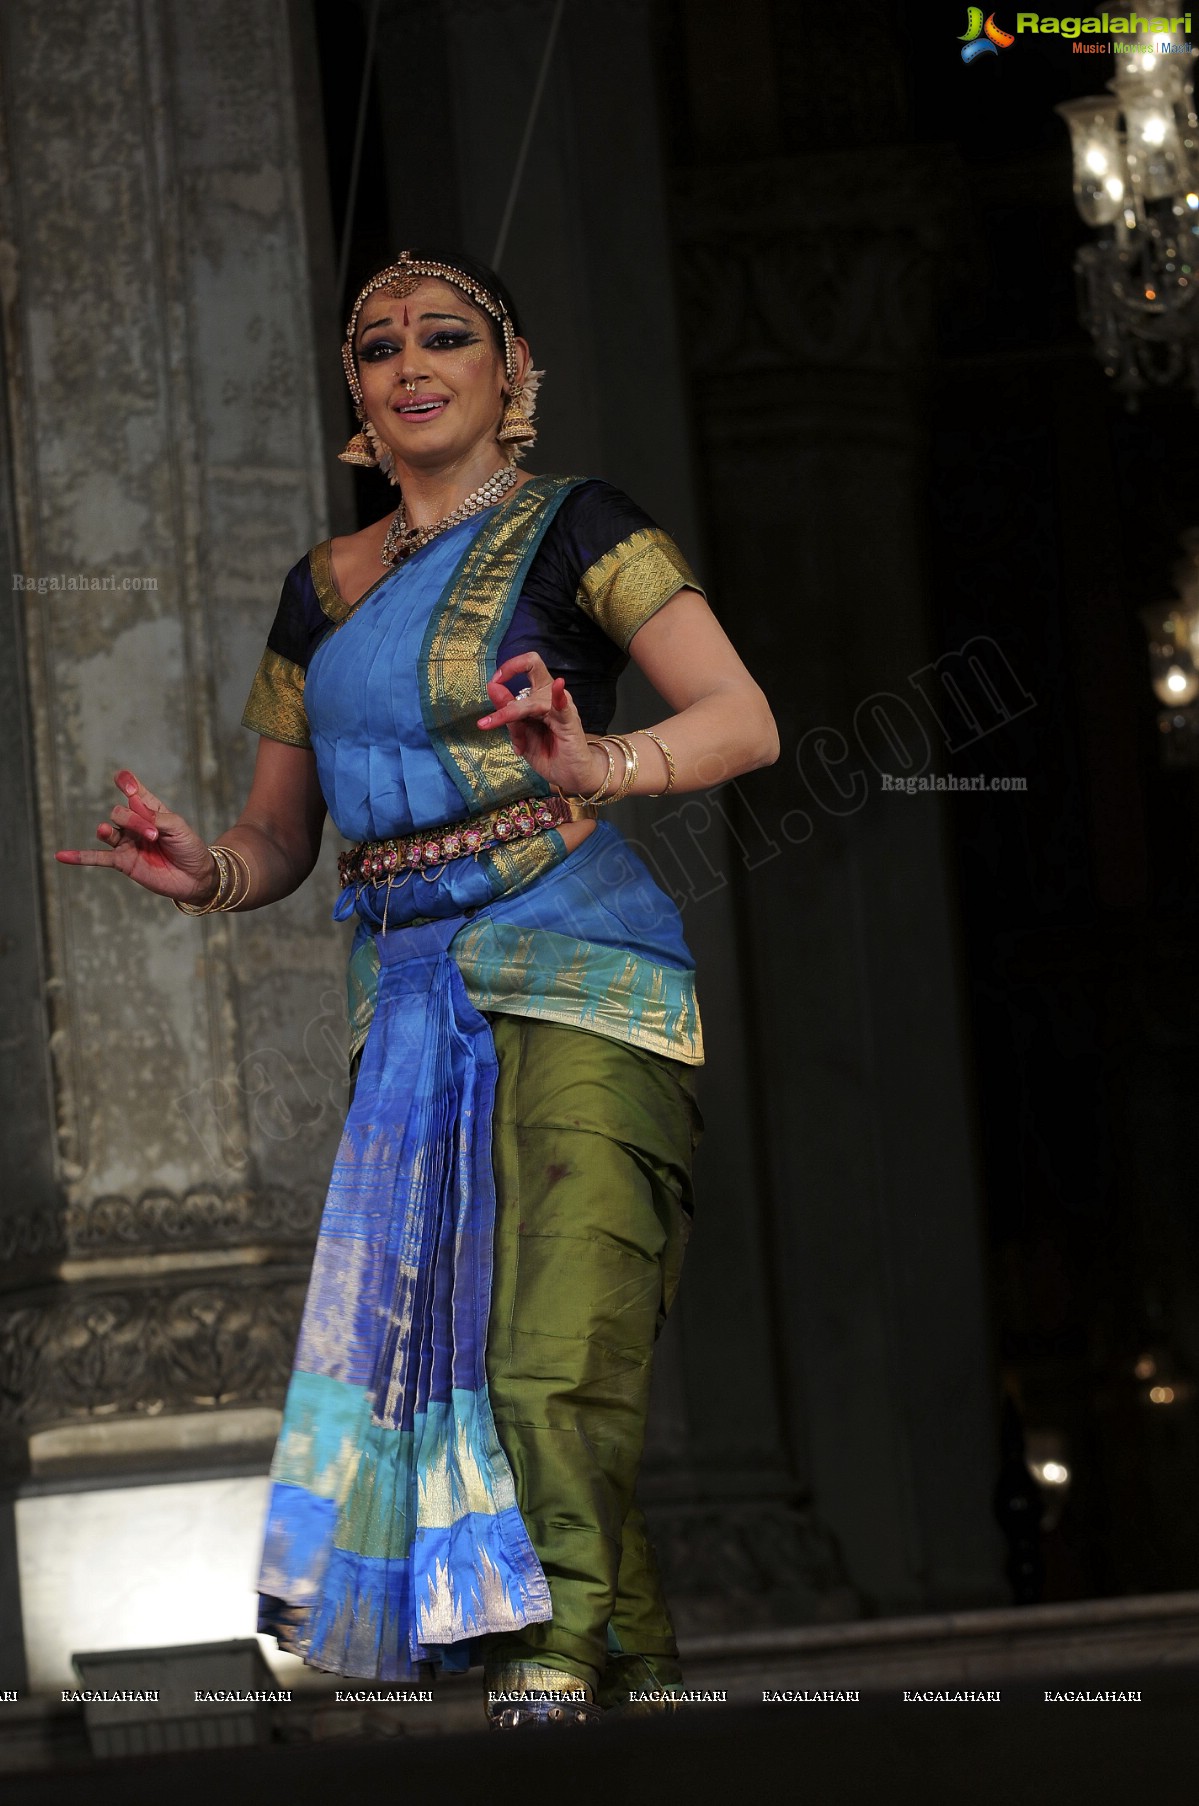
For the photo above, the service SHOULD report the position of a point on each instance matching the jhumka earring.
(516, 427)
(366, 448)
(359, 450)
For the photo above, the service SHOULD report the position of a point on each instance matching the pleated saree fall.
(455, 1472)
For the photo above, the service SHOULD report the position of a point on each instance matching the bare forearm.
(275, 868)
(276, 839)
(714, 739)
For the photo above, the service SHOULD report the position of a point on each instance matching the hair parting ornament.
(399, 280)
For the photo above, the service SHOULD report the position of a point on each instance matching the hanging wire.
(347, 229)
(522, 155)
(526, 140)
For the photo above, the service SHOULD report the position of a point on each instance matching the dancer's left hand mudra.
(544, 724)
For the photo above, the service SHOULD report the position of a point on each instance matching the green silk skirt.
(592, 1144)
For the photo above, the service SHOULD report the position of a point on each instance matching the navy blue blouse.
(601, 570)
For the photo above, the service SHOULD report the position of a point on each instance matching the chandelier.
(1136, 180)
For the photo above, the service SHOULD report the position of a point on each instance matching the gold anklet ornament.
(529, 1713)
(527, 1694)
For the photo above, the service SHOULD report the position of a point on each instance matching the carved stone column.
(808, 302)
(178, 1085)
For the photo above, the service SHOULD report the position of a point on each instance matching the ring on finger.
(521, 694)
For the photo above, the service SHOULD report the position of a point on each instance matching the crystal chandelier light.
(1136, 180)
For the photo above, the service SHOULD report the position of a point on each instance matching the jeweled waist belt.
(380, 861)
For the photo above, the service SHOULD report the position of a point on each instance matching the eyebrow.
(388, 321)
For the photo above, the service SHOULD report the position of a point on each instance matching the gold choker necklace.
(402, 540)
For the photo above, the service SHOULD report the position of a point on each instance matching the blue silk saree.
(393, 1537)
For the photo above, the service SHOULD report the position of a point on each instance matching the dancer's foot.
(637, 1686)
(523, 1694)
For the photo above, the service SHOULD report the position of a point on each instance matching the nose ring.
(411, 388)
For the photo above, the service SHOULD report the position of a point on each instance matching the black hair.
(478, 272)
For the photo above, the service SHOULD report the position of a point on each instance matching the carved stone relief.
(148, 1349)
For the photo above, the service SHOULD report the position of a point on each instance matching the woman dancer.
(454, 1477)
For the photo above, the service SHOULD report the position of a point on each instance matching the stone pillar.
(809, 293)
(167, 1160)
(30, 1225)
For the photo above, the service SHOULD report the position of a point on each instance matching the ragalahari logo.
(983, 38)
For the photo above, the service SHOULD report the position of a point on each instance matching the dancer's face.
(432, 375)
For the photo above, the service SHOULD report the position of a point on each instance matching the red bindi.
(406, 316)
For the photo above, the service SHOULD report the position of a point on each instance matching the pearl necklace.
(402, 540)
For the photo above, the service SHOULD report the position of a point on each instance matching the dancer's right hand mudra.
(152, 845)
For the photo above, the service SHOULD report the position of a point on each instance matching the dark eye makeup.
(379, 349)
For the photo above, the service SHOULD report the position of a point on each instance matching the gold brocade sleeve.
(276, 703)
(621, 590)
